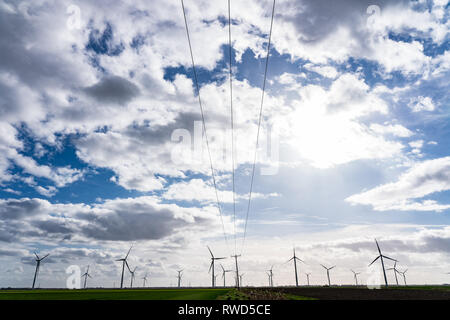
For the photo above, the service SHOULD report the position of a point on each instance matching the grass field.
(105, 294)
(284, 293)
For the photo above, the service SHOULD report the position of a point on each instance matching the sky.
(102, 144)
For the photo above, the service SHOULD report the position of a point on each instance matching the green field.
(125, 294)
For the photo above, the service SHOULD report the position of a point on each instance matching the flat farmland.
(113, 294)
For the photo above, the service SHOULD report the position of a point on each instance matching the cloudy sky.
(101, 143)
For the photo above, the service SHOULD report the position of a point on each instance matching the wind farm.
(294, 290)
(224, 150)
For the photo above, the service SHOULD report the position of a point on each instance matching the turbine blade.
(332, 267)
(36, 255)
(128, 252)
(374, 260)
(45, 256)
(379, 250)
(389, 258)
(210, 251)
(210, 266)
(323, 266)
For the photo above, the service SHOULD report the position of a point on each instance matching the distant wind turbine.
(38, 264)
(403, 274)
(395, 271)
(145, 280)
(240, 278)
(132, 276)
(86, 275)
(307, 277)
(355, 275)
(295, 258)
(224, 273)
(270, 273)
(179, 277)
(328, 273)
(211, 267)
(381, 256)
(124, 262)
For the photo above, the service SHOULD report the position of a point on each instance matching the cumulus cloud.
(423, 179)
(422, 104)
(142, 218)
(113, 89)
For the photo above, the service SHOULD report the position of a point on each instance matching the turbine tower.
(211, 267)
(38, 264)
(179, 278)
(328, 273)
(132, 276)
(295, 258)
(307, 277)
(355, 275)
(145, 280)
(224, 273)
(381, 256)
(237, 269)
(86, 275)
(270, 273)
(403, 274)
(124, 262)
(395, 271)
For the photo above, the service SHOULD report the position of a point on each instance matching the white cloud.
(393, 129)
(325, 71)
(422, 104)
(325, 128)
(199, 190)
(423, 179)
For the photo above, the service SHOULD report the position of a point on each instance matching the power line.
(259, 126)
(232, 123)
(204, 124)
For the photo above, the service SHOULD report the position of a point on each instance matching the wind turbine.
(295, 258)
(85, 275)
(307, 277)
(270, 273)
(240, 278)
(328, 273)
(132, 275)
(38, 264)
(355, 275)
(211, 267)
(145, 280)
(395, 271)
(179, 278)
(224, 273)
(270, 279)
(124, 262)
(381, 256)
(403, 274)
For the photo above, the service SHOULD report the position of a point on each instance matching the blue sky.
(93, 98)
